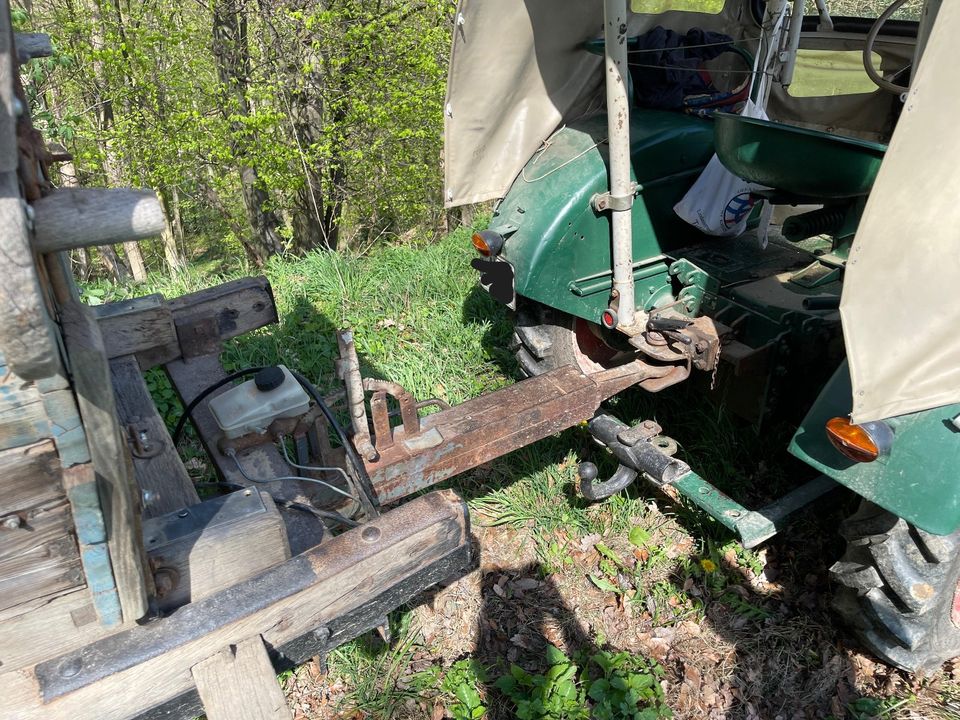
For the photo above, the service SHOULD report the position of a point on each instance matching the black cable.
(364, 478)
(191, 406)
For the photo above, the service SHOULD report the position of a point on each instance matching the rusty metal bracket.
(141, 444)
(413, 438)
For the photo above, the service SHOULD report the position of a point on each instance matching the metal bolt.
(165, 580)
(370, 534)
(704, 491)
(148, 496)
(183, 513)
(11, 522)
(70, 667)
(734, 513)
(17, 107)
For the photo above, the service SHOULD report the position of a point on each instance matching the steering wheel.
(872, 73)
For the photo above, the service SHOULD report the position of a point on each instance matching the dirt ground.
(783, 658)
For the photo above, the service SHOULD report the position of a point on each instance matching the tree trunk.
(233, 69)
(171, 251)
(112, 263)
(111, 167)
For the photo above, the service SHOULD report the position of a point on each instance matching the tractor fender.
(918, 480)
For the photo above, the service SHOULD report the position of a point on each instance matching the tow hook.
(639, 450)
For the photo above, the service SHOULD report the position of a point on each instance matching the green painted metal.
(751, 526)
(796, 160)
(917, 481)
(560, 247)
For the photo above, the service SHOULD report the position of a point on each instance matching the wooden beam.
(39, 558)
(149, 665)
(31, 477)
(71, 218)
(43, 627)
(205, 318)
(111, 459)
(201, 321)
(239, 683)
(141, 326)
(32, 45)
(163, 481)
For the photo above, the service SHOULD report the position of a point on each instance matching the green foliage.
(617, 686)
(461, 682)
(164, 396)
(340, 117)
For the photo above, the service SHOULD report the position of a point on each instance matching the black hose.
(191, 406)
(362, 475)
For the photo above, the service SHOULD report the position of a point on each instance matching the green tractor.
(814, 162)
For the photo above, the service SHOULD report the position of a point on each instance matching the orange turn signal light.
(860, 443)
(487, 242)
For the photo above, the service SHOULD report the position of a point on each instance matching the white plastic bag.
(719, 202)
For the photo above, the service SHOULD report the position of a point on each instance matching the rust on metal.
(492, 425)
(348, 369)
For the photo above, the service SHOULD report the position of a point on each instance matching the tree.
(232, 56)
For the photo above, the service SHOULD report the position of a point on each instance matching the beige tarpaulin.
(517, 72)
(901, 293)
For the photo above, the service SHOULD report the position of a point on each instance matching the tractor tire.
(897, 589)
(545, 339)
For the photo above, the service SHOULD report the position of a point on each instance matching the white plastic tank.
(251, 406)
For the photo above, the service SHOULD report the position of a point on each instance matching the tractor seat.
(799, 164)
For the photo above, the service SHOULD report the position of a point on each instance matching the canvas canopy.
(518, 72)
(900, 306)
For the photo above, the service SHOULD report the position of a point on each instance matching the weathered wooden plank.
(71, 218)
(29, 476)
(32, 45)
(40, 557)
(80, 482)
(204, 318)
(140, 325)
(26, 334)
(239, 683)
(147, 665)
(197, 551)
(66, 427)
(111, 459)
(164, 483)
(41, 628)
(23, 421)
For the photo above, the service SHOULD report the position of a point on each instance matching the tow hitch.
(643, 450)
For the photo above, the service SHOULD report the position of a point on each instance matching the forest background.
(266, 126)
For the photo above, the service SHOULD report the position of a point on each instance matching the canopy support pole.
(618, 139)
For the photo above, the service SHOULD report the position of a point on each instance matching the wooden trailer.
(123, 594)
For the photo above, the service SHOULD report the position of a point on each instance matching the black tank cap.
(270, 378)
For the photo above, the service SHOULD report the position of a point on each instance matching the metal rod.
(789, 56)
(618, 140)
(349, 370)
